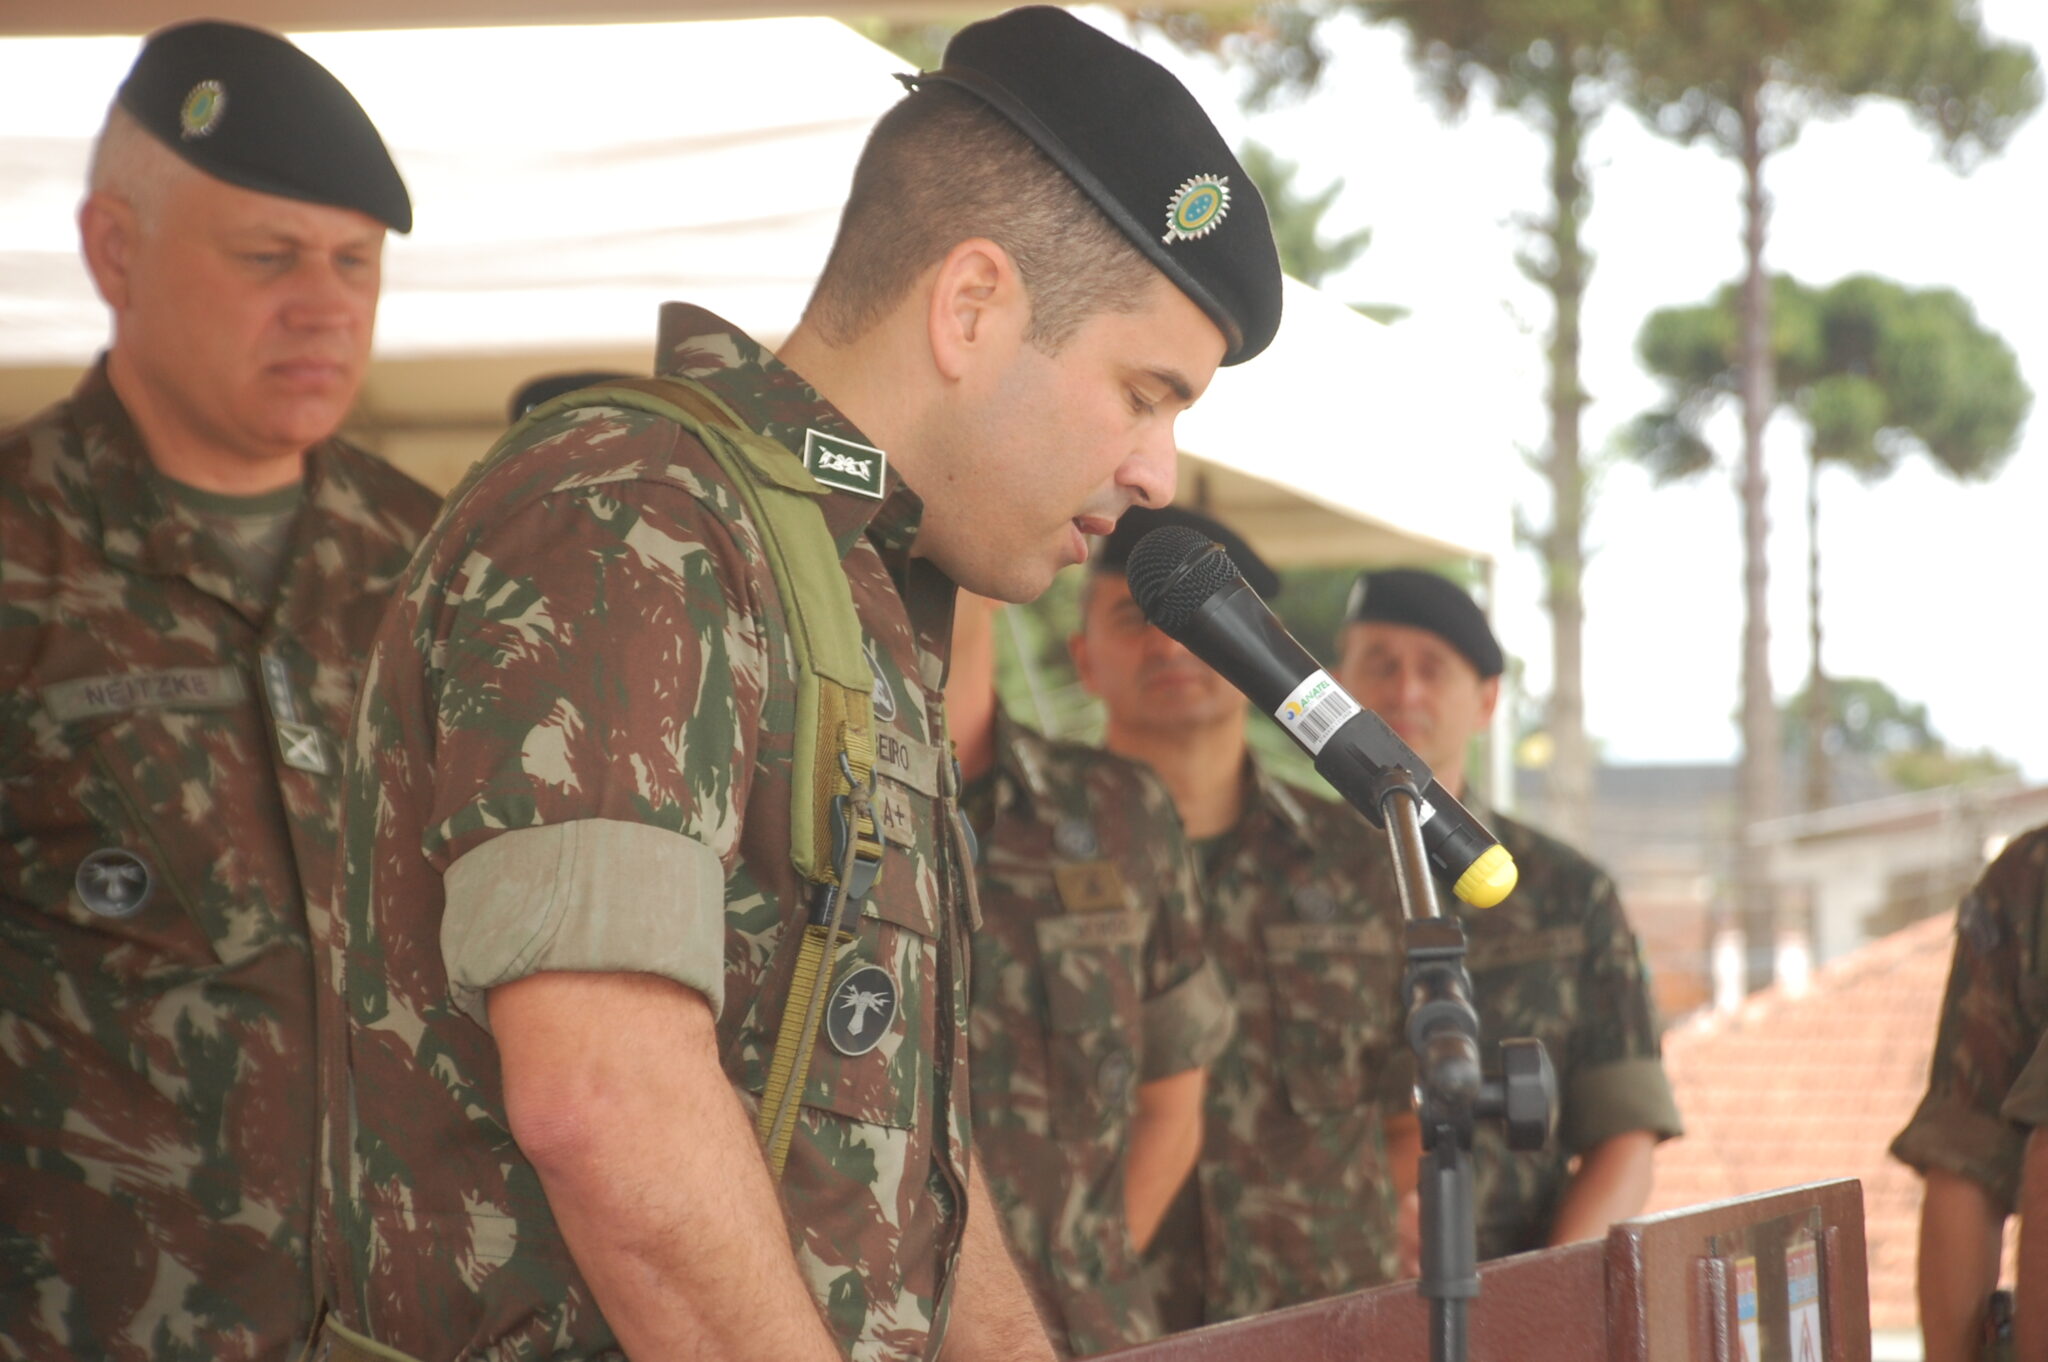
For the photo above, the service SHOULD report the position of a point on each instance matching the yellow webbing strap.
(834, 842)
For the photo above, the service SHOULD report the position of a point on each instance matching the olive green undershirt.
(253, 531)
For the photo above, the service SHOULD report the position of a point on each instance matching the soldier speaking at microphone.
(644, 879)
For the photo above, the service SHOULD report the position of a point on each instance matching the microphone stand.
(1451, 1091)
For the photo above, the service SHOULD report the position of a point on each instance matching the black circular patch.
(863, 1004)
(114, 882)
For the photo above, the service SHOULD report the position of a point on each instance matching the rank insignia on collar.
(843, 464)
(204, 104)
(1196, 208)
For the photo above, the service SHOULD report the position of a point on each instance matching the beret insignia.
(201, 112)
(1197, 208)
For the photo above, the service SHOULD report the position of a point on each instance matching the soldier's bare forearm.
(2030, 1322)
(651, 1167)
(1958, 1269)
(1166, 1139)
(993, 1319)
(1613, 1183)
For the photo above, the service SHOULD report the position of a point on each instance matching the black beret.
(1424, 600)
(247, 107)
(550, 386)
(1115, 549)
(1136, 142)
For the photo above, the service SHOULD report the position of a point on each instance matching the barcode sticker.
(1317, 708)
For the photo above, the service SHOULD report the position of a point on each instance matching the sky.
(1930, 586)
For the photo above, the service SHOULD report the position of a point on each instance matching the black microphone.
(1191, 591)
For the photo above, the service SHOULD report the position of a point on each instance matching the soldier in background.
(191, 567)
(547, 387)
(569, 920)
(2027, 1104)
(1291, 1199)
(1555, 960)
(1968, 1152)
(1092, 1007)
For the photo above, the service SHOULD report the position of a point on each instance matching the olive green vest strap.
(332, 1343)
(835, 844)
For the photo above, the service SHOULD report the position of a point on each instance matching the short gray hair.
(129, 164)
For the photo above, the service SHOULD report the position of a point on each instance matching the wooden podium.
(1777, 1277)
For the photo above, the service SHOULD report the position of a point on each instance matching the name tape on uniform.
(908, 762)
(1337, 938)
(90, 697)
(1525, 948)
(1069, 930)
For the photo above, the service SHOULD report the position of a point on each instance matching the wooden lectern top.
(1776, 1277)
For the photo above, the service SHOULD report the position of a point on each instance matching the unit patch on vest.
(1090, 887)
(113, 882)
(844, 464)
(863, 1005)
(91, 697)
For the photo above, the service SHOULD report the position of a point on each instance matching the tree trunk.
(1818, 792)
(1571, 769)
(1758, 787)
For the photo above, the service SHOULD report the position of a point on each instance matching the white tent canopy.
(568, 180)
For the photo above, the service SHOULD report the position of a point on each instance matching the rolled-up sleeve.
(599, 896)
(599, 688)
(1986, 1033)
(2027, 1103)
(1188, 1025)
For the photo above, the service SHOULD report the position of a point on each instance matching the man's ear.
(108, 230)
(1489, 698)
(977, 308)
(1077, 651)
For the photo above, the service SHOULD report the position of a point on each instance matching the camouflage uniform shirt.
(1290, 1201)
(1089, 979)
(2027, 1103)
(1556, 961)
(1993, 1018)
(575, 754)
(169, 770)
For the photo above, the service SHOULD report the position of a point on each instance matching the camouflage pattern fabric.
(1557, 961)
(589, 648)
(1993, 1017)
(169, 769)
(1291, 1200)
(1089, 979)
(2027, 1102)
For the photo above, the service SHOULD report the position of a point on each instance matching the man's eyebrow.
(1174, 382)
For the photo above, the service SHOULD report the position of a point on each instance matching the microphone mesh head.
(1173, 570)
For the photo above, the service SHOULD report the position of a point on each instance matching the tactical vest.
(835, 843)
